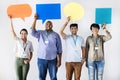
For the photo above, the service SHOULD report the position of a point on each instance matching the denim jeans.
(95, 68)
(43, 65)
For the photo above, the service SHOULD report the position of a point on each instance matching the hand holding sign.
(68, 18)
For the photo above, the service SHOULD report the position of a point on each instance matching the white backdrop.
(7, 57)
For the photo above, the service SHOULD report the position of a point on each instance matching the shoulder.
(17, 38)
(55, 33)
(80, 37)
(29, 42)
(89, 37)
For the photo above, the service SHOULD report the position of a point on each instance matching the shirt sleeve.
(87, 48)
(83, 43)
(17, 38)
(31, 48)
(107, 36)
(35, 33)
(59, 45)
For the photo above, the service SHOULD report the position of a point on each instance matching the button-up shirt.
(22, 49)
(93, 54)
(49, 44)
(74, 46)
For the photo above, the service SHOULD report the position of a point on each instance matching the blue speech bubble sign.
(48, 11)
(103, 15)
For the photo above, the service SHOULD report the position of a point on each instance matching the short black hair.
(74, 25)
(95, 26)
(24, 30)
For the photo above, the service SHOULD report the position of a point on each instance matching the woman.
(23, 50)
(95, 52)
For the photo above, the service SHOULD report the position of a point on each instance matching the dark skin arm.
(34, 23)
(59, 56)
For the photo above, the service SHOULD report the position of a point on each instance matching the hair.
(50, 23)
(24, 30)
(95, 26)
(74, 25)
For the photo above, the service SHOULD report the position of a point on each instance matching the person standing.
(75, 50)
(24, 52)
(49, 50)
(95, 52)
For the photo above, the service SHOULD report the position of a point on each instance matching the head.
(94, 28)
(24, 33)
(48, 25)
(74, 28)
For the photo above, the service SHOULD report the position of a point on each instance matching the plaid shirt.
(91, 53)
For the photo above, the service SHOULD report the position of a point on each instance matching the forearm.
(31, 54)
(59, 56)
(107, 36)
(63, 27)
(83, 52)
(62, 30)
(34, 24)
(13, 32)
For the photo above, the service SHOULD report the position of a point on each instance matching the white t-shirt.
(22, 49)
(74, 46)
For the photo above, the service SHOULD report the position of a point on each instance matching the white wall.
(112, 55)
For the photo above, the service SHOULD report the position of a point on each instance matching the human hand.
(104, 25)
(68, 18)
(10, 16)
(58, 63)
(26, 61)
(36, 16)
(86, 64)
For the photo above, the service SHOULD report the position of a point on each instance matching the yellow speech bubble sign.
(75, 10)
(19, 10)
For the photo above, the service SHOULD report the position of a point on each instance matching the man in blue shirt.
(49, 50)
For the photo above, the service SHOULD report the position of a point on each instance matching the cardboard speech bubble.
(48, 11)
(103, 15)
(75, 10)
(19, 11)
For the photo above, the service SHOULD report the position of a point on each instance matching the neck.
(74, 34)
(49, 30)
(24, 40)
(95, 35)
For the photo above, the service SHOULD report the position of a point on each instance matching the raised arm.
(108, 35)
(34, 32)
(13, 32)
(63, 27)
(34, 23)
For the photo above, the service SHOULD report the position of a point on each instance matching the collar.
(93, 36)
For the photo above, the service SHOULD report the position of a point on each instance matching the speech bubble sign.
(75, 10)
(19, 11)
(48, 11)
(103, 15)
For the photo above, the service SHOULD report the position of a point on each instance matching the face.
(95, 30)
(48, 25)
(74, 30)
(23, 34)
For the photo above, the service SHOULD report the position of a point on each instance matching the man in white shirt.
(75, 49)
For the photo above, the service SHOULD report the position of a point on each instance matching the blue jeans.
(43, 65)
(95, 68)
